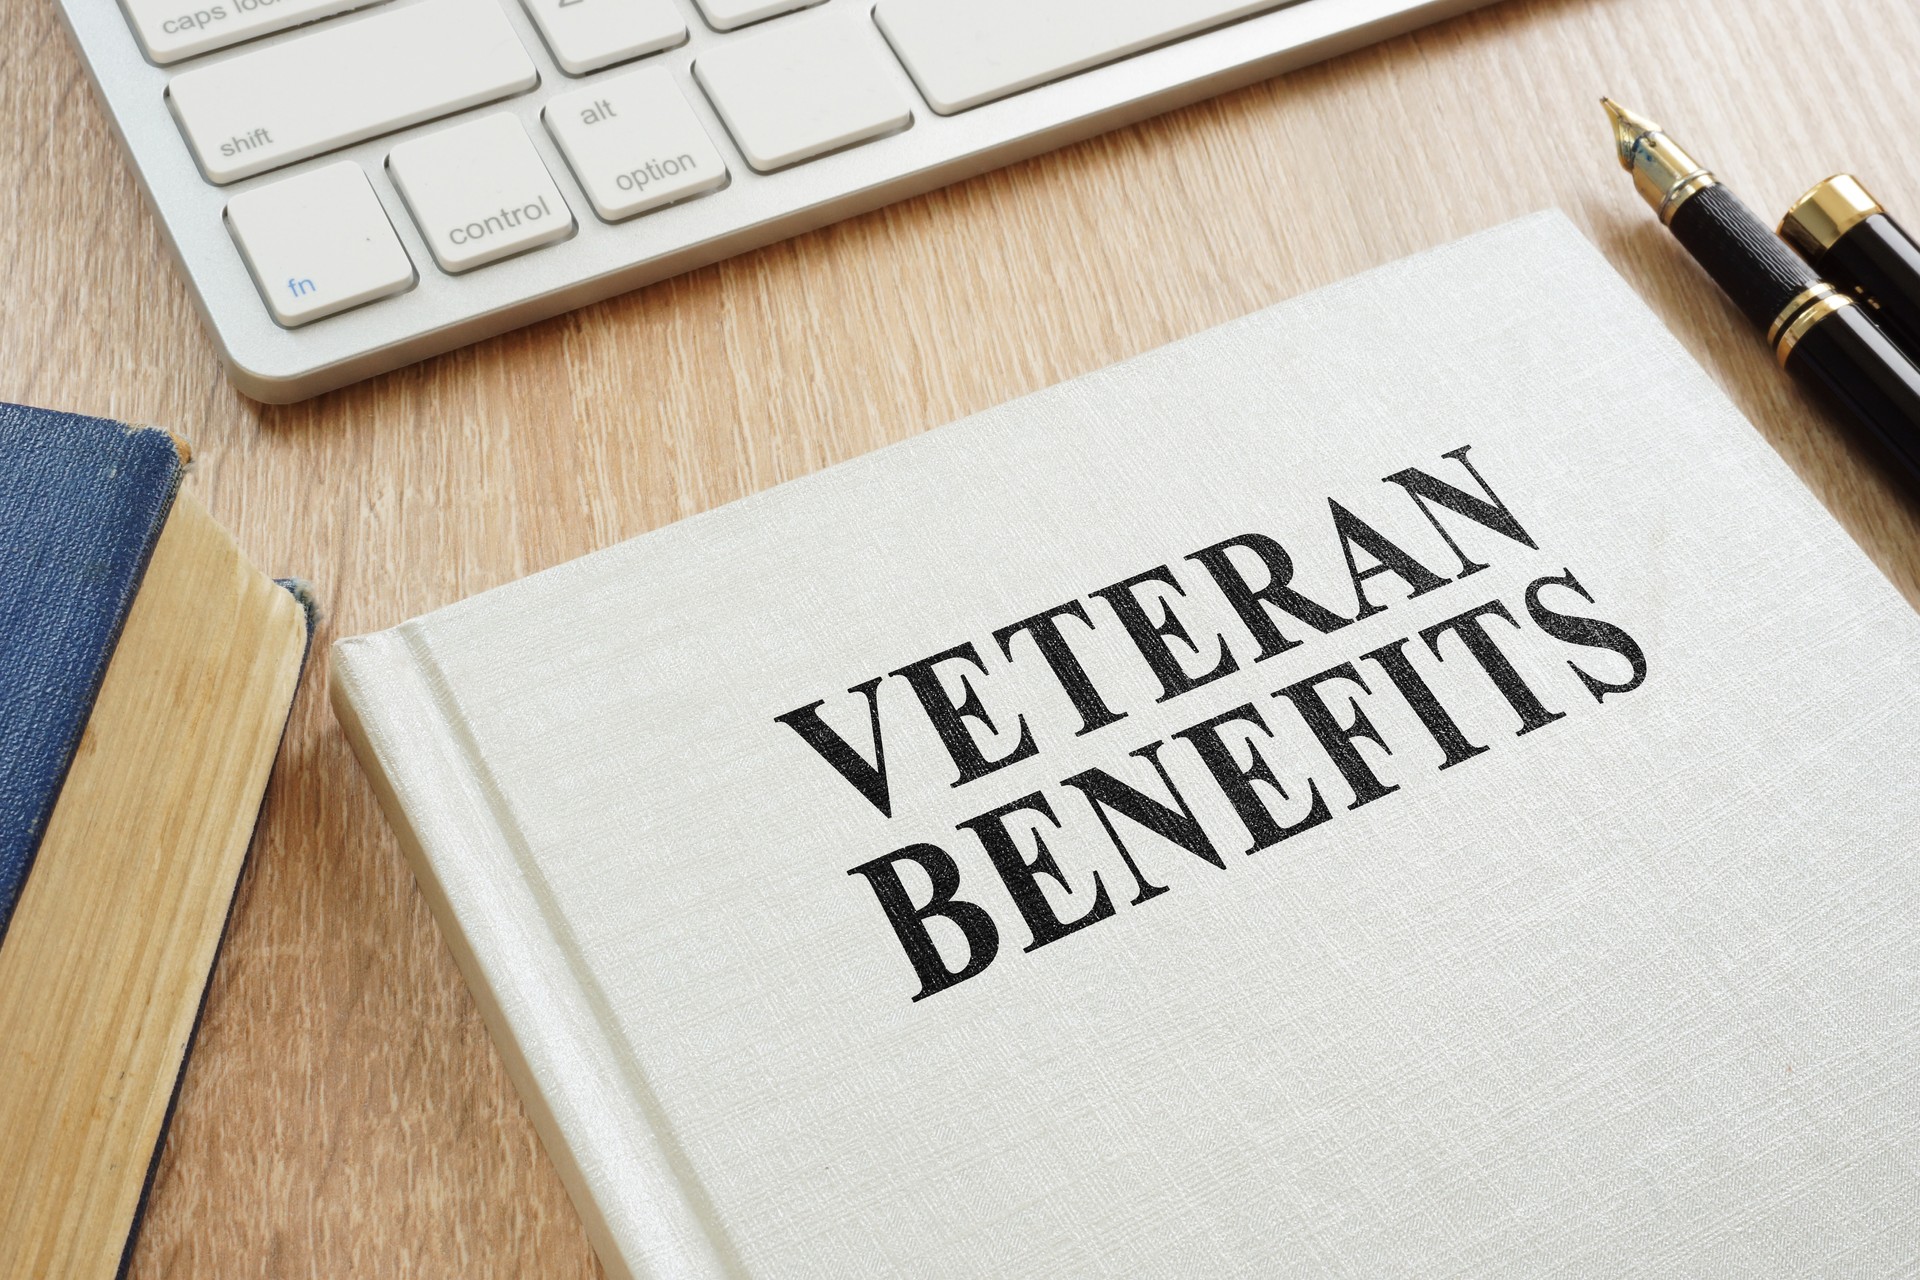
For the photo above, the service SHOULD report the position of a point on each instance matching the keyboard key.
(257, 111)
(479, 192)
(806, 88)
(318, 243)
(725, 15)
(634, 143)
(964, 53)
(170, 30)
(586, 35)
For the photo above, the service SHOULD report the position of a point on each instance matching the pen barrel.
(1751, 264)
(1848, 356)
(1878, 265)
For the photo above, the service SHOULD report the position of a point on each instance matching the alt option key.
(318, 243)
(634, 143)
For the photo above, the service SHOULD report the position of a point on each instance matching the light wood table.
(345, 1113)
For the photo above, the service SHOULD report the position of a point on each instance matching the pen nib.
(1628, 129)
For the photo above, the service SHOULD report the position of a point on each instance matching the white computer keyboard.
(351, 185)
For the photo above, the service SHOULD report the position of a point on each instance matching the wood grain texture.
(346, 1115)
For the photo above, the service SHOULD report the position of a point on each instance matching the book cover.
(82, 501)
(1352, 792)
(146, 671)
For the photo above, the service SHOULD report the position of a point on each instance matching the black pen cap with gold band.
(1849, 239)
(1854, 361)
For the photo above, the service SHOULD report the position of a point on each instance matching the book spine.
(591, 1105)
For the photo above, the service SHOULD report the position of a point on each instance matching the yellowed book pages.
(109, 952)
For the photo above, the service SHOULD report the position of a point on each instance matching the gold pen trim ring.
(1682, 191)
(1809, 317)
(1806, 297)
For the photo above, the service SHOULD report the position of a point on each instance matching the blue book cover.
(82, 502)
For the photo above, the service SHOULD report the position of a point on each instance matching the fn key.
(318, 243)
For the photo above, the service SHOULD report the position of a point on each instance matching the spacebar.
(348, 81)
(963, 53)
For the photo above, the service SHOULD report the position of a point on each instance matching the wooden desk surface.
(345, 1114)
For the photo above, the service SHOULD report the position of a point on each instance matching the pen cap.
(1844, 233)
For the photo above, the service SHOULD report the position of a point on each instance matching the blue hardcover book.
(146, 671)
(82, 501)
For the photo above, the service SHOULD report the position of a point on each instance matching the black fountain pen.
(1817, 331)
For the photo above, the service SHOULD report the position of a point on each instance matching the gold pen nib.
(1665, 174)
(1628, 129)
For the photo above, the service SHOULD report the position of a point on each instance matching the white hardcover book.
(1403, 783)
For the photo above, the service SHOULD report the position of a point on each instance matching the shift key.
(341, 84)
